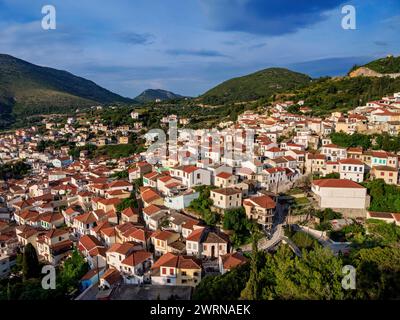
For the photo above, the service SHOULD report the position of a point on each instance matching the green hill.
(28, 89)
(389, 64)
(151, 95)
(326, 95)
(261, 84)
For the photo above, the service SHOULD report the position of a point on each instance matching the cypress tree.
(30, 262)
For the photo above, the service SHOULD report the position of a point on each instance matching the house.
(351, 169)
(283, 162)
(154, 215)
(150, 196)
(69, 214)
(110, 279)
(51, 220)
(274, 152)
(177, 221)
(330, 167)
(207, 243)
(383, 158)
(389, 174)
(139, 170)
(191, 175)
(27, 234)
(177, 270)
(225, 180)
(135, 268)
(341, 195)
(130, 215)
(315, 163)
(106, 204)
(119, 252)
(231, 260)
(54, 245)
(181, 200)
(93, 250)
(83, 223)
(61, 162)
(226, 198)
(261, 209)
(137, 235)
(334, 152)
(161, 239)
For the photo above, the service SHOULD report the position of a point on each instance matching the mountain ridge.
(26, 89)
(260, 84)
(150, 95)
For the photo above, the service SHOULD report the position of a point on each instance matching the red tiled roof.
(337, 183)
(224, 175)
(351, 161)
(151, 209)
(175, 261)
(136, 258)
(232, 260)
(265, 202)
(195, 235)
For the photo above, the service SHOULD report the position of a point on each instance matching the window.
(164, 270)
(168, 280)
(171, 271)
(184, 273)
(390, 174)
(205, 247)
(382, 173)
(184, 281)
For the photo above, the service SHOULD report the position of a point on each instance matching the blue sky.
(188, 46)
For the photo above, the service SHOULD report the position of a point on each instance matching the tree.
(317, 275)
(30, 262)
(73, 270)
(378, 273)
(227, 286)
(236, 220)
(252, 289)
(127, 203)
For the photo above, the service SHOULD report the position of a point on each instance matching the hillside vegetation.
(261, 84)
(389, 64)
(326, 95)
(27, 89)
(150, 95)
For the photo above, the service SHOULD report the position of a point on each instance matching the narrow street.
(275, 234)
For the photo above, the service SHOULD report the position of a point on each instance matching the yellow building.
(172, 269)
(389, 174)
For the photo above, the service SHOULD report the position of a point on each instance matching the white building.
(351, 169)
(340, 194)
